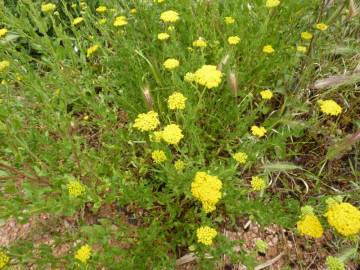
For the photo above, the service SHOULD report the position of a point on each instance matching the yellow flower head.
(163, 36)
(75, 188)
(261, 246)
(233, 40)
(77, 20)
(48, 7)
(156, 136)
(334, 263)
(101, 9)
(189, 77)
(258, 183)
(330, 107)
(133, 11)
(205, 235)
(229, 20)
(102, 21)
(268, 49)
(171, 28)
(91, 50)
(4, 65)
(258, 131)
(321, 26)
(147, 121)
(310, 225)
(306, 35)
(83, 253)
(176, 101)
(171, 63)
(172, 134)
(207, 189)
(4, 259)
(208, 76)
(3, 32)
(169, 16)
(158, 156)
(266, 94)
(179, 165)
(83, 5)
(344, 217)
(240, 157)
(120, 21)
(301, 49)
(272, 3)
(200, 43)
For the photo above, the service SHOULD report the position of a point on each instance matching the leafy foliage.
(68, 115)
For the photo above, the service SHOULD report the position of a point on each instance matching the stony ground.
(285, 249)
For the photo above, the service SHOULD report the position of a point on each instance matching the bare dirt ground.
(285, 248)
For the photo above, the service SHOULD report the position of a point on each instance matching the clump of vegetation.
(154, 124)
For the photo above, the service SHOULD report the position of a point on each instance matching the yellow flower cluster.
(268, 49)
(78, 20)
(240, 157)
(208, 76)
(301, 49)
(258, 131)
(266, 94)
(306, 35)
(102, 21)
(261, 246)
(91, 50)
(147, 121)
(48, 7)
(171, 63)
(272, 3)
(207, 189)
(179, 165)
(101, 9)
(330, 107)
(75, 188)
(169, 16)
(189, 77)
(257, 183)
(3, 32)
(4, 259)
(333, 263)
(206, 235)
(163, 36)
(321, 26)
(344, 217)
(233, 40)
(156, 136)
(158, 156)
(229, 20)
(83, 253)
(200, 43)
(176, 101)
(172, 134)
(120, 21)
(4, 65)
(310, 225)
